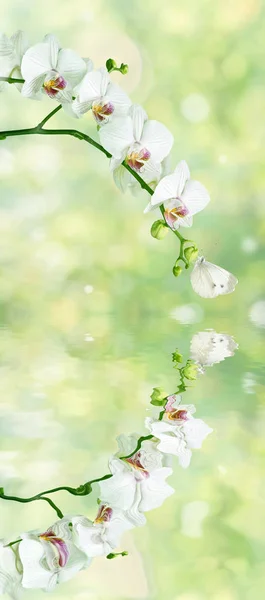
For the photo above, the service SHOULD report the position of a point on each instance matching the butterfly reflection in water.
(209, 347)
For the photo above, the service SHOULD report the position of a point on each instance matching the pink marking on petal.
(178, 415)
(53, 85)
(60, 545)
(174, 214)
(101, 111)
(169, 405)
(135, 462)
(104, 514)
(136, 159)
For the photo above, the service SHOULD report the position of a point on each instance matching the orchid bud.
(190, 371)
(177, 357)
(124, 69)
(111, 64)
(159, 229)
(191, 253)
(158, 397)
(177, 270)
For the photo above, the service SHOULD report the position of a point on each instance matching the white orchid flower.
(138, 483)
(51, 557)
(104, 98)
(49, 69)
(141, 143)
(11, 53)
(178, 432)
(10, 571)
(181, 196)
(102, 536)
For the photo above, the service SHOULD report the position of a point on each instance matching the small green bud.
(158, 397)
(115, 554)
(177, 357)
(191, 253)
(190, 371)
(159, 229)
(124, 69)
(111, 64)
(177, 270)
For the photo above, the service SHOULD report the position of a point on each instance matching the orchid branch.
(12, 80)
(39, 130)
(38, 497)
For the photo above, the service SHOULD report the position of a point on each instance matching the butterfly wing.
(209, 280)
(201, 347)
(223, 346)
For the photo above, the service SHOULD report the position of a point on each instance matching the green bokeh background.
(199, 67)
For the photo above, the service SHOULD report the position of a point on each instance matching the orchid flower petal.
(36, 61)
(80, 108)
(195, 196)
(90, 87)
(64, 96)
(183, 175)
(10, 577)
(33, 87)
(119, 490)
(31, 553)
(71, 66)
(139, 117)
(158, 139)
(118, 98)
(20, 44)
(195, 432)
(165, 190)
(117, 135)
(122, 178)
(155, 490)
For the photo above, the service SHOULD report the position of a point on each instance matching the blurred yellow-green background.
(90, 310)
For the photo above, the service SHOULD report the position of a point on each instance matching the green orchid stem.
(38, 130)
(13, 543)
(182, 386)
(39, 497)
(142, 439)
(182, 241)
(11, 80)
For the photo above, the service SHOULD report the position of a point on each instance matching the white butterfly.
(210, 347)
(210, 281)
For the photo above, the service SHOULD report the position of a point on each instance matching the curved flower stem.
(182, 241)
(49, 116)
(142, 439)
(53, 505)
(13, 543)
(38, 130)
(38, 497)
(82, 490)
(12, 80)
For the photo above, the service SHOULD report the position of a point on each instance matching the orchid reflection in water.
(136, 483)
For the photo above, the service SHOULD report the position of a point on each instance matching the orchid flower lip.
(135, 462)
(104, 514)
(102, 110)
(53, 83)
(62, 553)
